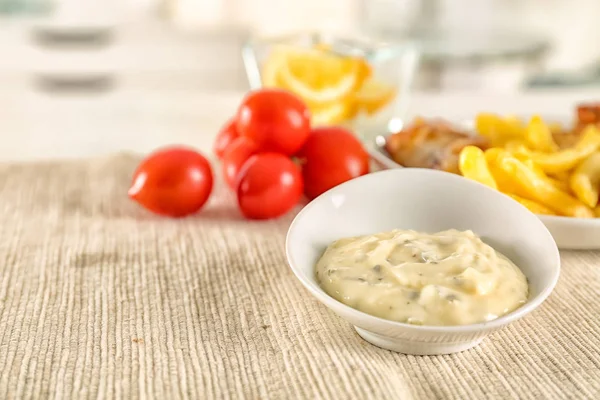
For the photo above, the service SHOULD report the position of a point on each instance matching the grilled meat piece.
(588, 113)
(431, 144)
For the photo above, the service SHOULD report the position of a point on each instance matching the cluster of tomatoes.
(269, 155)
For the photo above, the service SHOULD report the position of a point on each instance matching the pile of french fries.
(526, 163)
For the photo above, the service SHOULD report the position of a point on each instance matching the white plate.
(569, 233)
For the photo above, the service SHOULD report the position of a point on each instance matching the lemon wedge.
(334, 113)
(374, 95)
(317, 76)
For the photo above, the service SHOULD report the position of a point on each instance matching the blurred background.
(108, 67)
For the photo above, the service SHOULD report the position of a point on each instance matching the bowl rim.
(594, 222)
(321, 295)
(259, 39)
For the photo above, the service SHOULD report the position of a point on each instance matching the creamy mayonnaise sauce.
(445, 278)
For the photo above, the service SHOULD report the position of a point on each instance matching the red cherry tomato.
(274, 119)
(225, 137)
(329, 157)
(234, 158)
(270, 185)
(174, 181)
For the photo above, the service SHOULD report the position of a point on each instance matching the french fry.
(504, 181)
(498, 130)
(508, 185)
(585, 180)
(530, 164)
(517, 146)
(560, 185)
(515, 126)
(562, 179)
(533, 206)
(514, 121)
(565, 160)
(561, 176)
(555, 127)
(519, 150)
(597, 211)
(473, 165)
(539, 136)
(491, 154)
(539, 189)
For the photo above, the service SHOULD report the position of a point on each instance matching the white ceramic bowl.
(429, 201)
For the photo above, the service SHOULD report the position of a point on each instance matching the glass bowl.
(357, 82)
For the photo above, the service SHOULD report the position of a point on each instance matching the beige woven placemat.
(99, 299)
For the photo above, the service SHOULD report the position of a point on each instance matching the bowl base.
(415, 348)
